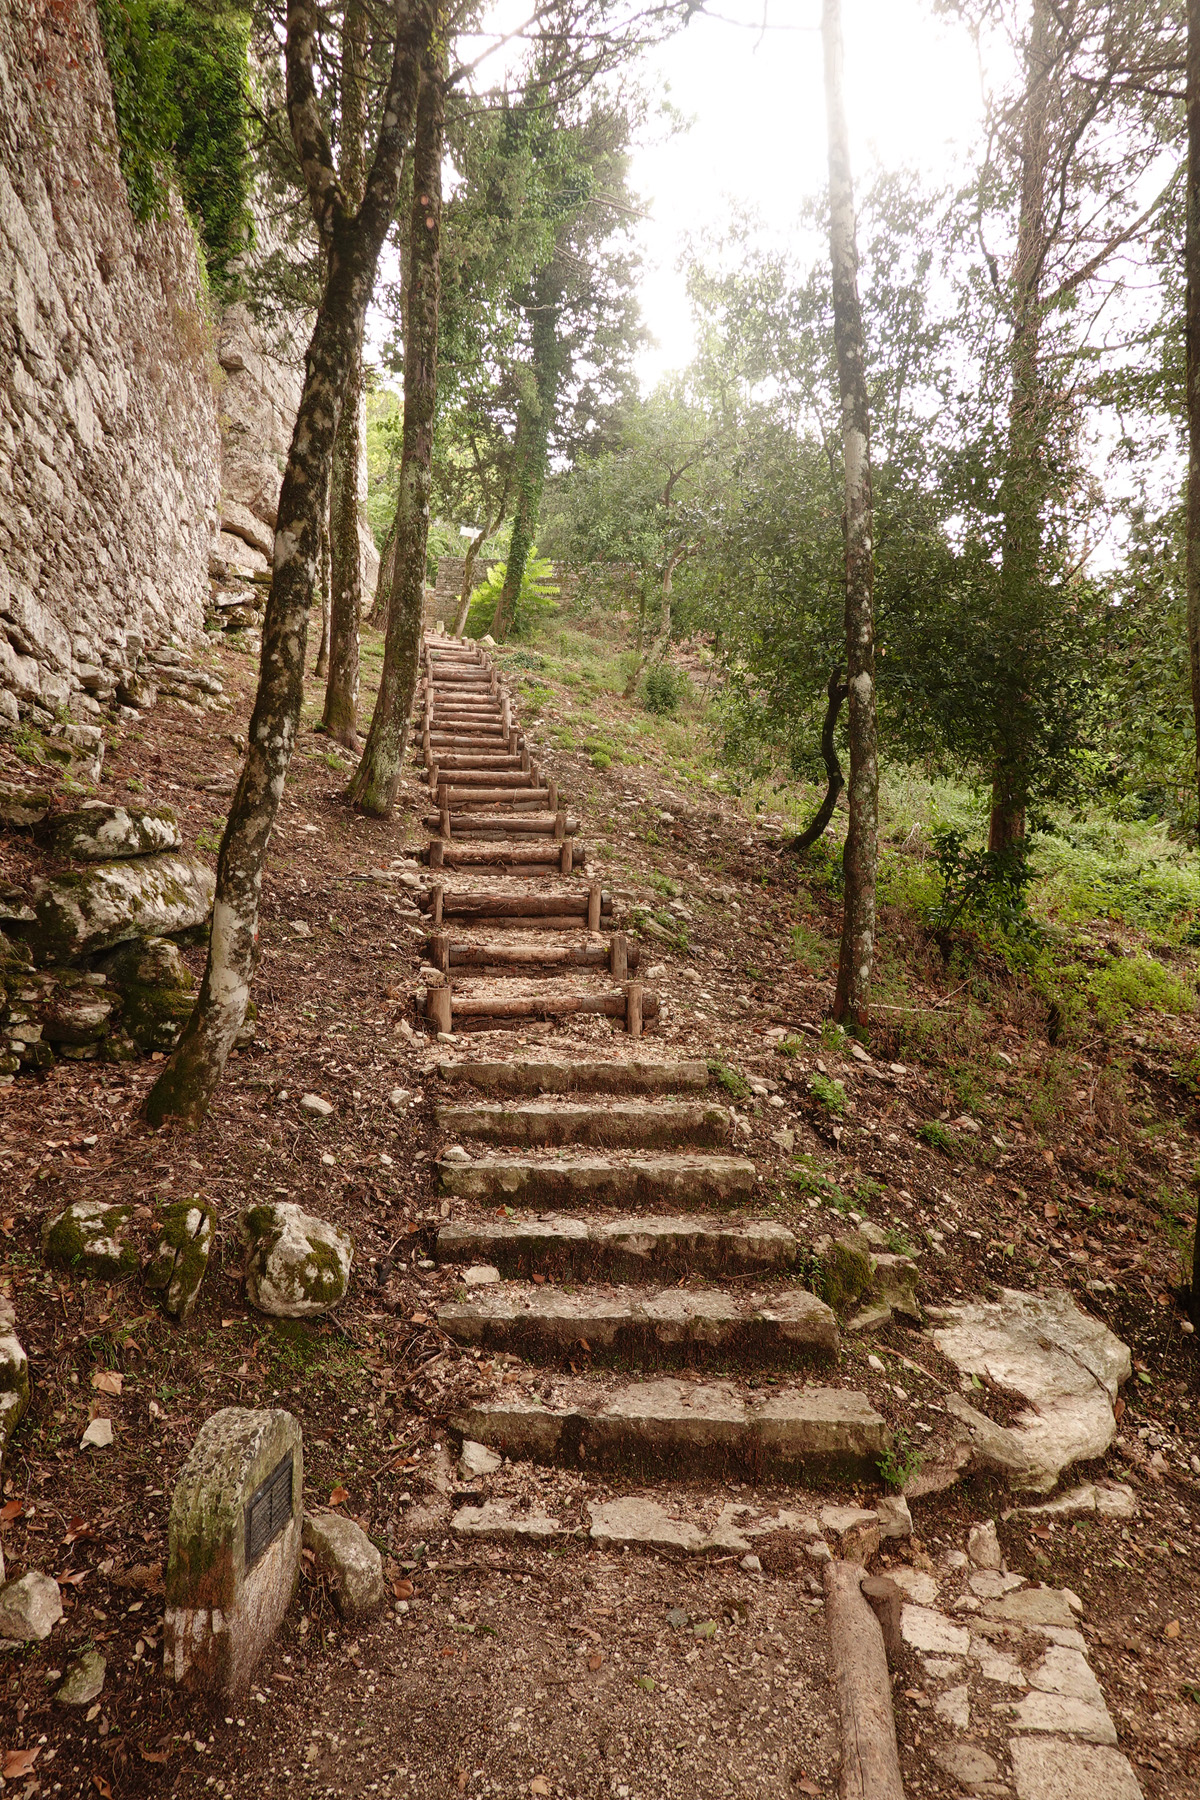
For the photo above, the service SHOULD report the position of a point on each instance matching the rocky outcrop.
(109, 444)
(82, 913)
(99, 832)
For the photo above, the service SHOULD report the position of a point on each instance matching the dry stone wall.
(109, 441)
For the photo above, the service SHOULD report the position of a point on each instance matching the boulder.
(84, 1681)
(88, 1238)
(30, 1607)
(74, 1012)
(1043, 1349)
(298, 1264)
(343, 1551)
(139, 690)
(14, 1379)
(100, 832)
(156, 988)
(81, 914)
(238, 521)
(22, 806)
(179, 1263)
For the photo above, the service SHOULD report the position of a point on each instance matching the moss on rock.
(846, 1274)
(179, 1264)
(298, 1264)
(87, 1238)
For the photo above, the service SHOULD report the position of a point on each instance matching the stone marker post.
(234, 1547)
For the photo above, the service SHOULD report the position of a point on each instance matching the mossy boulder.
(99, 832)
(14, 1378)
(74, 1010)
(81, 914)
(177, 1268)
(298, 1264)
(846, 1275)
(156, 988)
(88, 1238)
(896, 1281)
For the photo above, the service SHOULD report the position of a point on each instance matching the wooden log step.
(644, 1325)
(499, 764)
(514, 907)
(655, 1247)
(530, 959)
(498, 772)
(443, 1002)
(592, 1181)
(478, 737)
(652, 1428)
(627, 1124)
(459, 799)
(553, 1075)
(526, 862)
(468, 824)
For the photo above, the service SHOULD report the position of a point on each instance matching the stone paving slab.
(601, 1181)
(631, 1124)
(553, 1075)
(705, 1428)
(1053, 1769)
(621, 1247)
(633, 1322)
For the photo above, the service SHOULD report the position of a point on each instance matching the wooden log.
(545, 1006)
(885, 1598)
(870, 1760)
(500, 769)
(555, 907)
(439, 1006)
(502, 958)
(633, 1009)
(593, 907)
(618, 956)
(437, 900)
(567, 860)
(437, 854)
(460, 798)
(552, 796)
(526, 859)
(469, 824)
(439, 951)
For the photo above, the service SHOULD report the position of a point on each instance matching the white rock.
(30, 1607)
(895, 1520)
(955, 1707)
(931, 1631)
(994, 1665)
(398, 1097)
(313, 1103)
(989, 1584)
(99, 1435)
(920, 1587)
(818, 1550)
(635, 1520)
(1052, 1769)
(843, 1519)
(967, 1764)
(751, 1565)
(1108, 1499)
(941, 1667)
(1067, 1672)
(343, 1550)
(496, 1520)
(108, 903)
(1072, 1718)
(481, 1275)
(455, 1154)
(983, 1546)
(298, 1264)
(477, 1459)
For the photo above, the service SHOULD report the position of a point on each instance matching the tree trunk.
(835, 780)
(378, 774)
(469, 560)
(187, 1084)
(659, 646)
(321, 666)
(387, 574)
(1022, 489)
(860, 857)
(340, 716)
(535, 417)
(1192, 337)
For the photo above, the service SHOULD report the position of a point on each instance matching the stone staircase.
(602, 1221)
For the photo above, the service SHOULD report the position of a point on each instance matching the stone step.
(550, 1076)
(602, 1181)
(631, 1124)
(667, 1426)
(622, 1248)
(644, 1325)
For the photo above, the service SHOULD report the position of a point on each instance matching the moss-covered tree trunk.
(321, 666)
(378, 774)
(383, 583)
(340, 716)
(860, 856)
(186, 1086)
(535, 419)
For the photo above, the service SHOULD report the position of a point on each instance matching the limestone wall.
(109, 446)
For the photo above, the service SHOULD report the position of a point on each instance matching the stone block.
(495, 1519)
(686, 1181)
(932, 1632)
(147, 896)
(1052, 1769)
(636, 1124)
(179, 1264)
(1058, 1713)
(234, 1547)
(88, 1238)
(343, 1551)
(101, 833)
(298, 1264)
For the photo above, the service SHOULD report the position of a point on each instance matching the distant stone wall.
(109, 441)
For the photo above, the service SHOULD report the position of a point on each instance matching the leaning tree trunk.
(860, 856)
(377, 777)
(535, 416)
(662, 642)
(187, 1084)
(340, 716)
(1192, 335)
(490, 524)
(383, 582)
(835, 781)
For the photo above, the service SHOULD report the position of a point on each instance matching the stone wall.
(109, 445)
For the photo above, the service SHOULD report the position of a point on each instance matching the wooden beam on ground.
(870, 1759)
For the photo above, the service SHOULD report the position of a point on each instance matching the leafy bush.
(536, 598)
(663, 688)
(1134, 983)
(831, 1094)
(984, 886)
(728, 1077)
(180, 89)
(934, 1133)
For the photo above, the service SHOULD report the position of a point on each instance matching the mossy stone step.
(644, 1324)
(627, 1124)
(551, 1076)
(652, 1428)
(676, 1181)
(622, 1248)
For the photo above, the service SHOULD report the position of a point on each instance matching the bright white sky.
(757, 138)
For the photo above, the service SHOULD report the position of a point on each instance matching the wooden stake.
(567, 862)
(560, 824)
(552, 796)
(439, 1008)
(593, 916)
(512, 744)
(439, 945)
(437, 895)
(618, 956)
(437, 853)
(633, 1009)
(444, 824)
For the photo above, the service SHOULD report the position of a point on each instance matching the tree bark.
(469, 560)
(535, 417)
(378, 774)
(187, 1084)
(340, 716)
(835, 780)
(1192, 337)
(321, 666)
(387, 574)
(659, 646)
(870, 1755)
(860, 856)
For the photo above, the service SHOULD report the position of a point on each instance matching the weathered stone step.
(632, 1124)
(621, 1249)
(551, 1076)
(689, 1181)
(653, 1428)
(645, 1325)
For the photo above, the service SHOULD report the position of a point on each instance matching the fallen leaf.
(539, 1785)
(102, 1787)
(339, 1496)
(157, 1756)
(99, 1433)
(420, 1318)
(806, 1786)
(108, 1381)
(12, 1509)
(73, 1579)
(20, 1762)
(449, 1650)
(403, 1590)
(1173, 1629)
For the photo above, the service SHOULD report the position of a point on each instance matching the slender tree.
(1192, 339)
(187, 1084)
(340, 717)
(862, 848)
(377, 777)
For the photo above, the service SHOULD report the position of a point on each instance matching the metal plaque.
(268, 1510)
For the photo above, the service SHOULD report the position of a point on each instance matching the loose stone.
(30, 1607)
(298, 1264)
(88, 1238)
(343, 1551)
(84, 1680)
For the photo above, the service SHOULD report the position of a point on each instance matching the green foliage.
(831, 1094)
(899, 1465)
(536, 599)
(726, 1076)
(934, 1133)
(810, 949)
(664, 687)
(1131, 984)
(181, 93)
(817, 1185)
(981, 885)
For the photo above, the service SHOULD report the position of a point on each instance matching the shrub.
(728, 1077)
(933, 1132)
(663, 688)
(831, 1094)
(536, 599)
